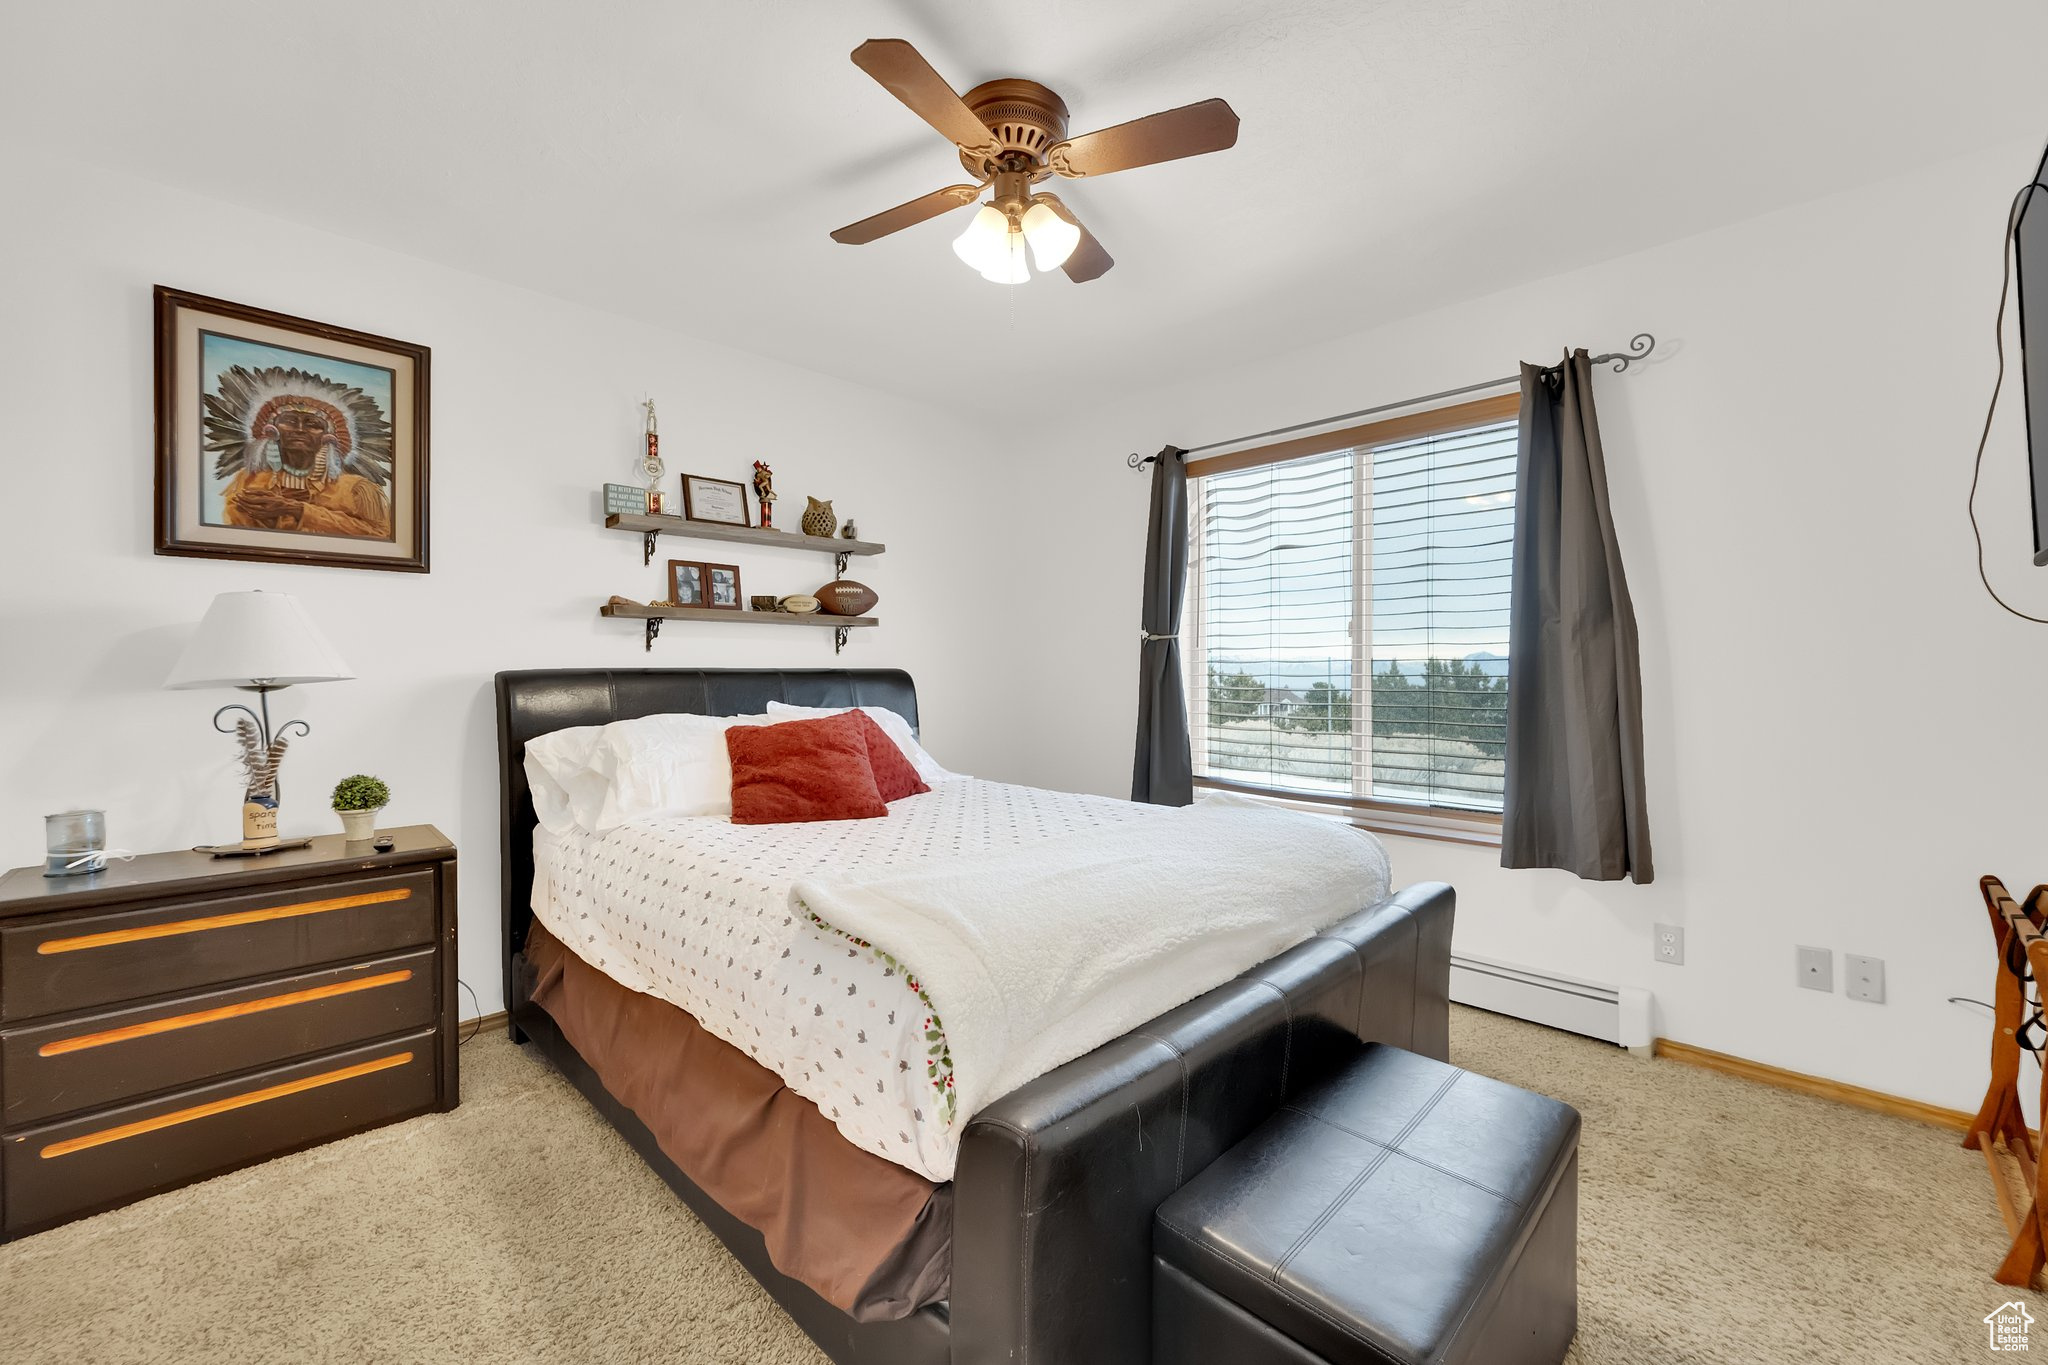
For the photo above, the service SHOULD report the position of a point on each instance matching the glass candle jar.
(77, 843)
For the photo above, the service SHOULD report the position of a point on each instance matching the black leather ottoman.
(1405, 1211)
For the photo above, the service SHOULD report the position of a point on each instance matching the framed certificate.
(719, 500)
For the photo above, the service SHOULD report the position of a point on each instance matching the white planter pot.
(358, 826)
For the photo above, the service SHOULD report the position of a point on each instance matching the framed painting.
(287, 441)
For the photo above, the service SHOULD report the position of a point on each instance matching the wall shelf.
(654, 616)
(652, 528)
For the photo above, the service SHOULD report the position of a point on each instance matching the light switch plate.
(1863, 978)
(1816, 968)
(1667, 942)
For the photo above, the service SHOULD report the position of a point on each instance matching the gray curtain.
(1575, 695)
(1163, 773)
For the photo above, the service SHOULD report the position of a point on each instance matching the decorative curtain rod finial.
(1639, 348)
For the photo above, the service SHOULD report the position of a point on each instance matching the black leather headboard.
(535, 701)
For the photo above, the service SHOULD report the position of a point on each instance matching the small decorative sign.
(622, 499)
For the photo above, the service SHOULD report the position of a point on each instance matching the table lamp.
(259, 642)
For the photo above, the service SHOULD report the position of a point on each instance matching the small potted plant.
(357, 800)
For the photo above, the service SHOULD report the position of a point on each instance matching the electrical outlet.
(1863, 978)
(1668, 943)
(1816, 968)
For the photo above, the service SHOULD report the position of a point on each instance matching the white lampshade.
(1052, 237)
(982, 240)
(991, 248)
(248, 638)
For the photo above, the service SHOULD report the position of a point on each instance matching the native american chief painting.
(300, 452)
(288, 441)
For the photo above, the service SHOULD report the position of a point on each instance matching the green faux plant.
(361, 792)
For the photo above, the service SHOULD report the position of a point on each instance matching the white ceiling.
(683, 162)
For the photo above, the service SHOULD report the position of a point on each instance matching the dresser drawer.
(79, 962)
(96, 1161)
(93, 1060)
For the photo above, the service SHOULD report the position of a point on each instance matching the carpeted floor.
(1720, 1222)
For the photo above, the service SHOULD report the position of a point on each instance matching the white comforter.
(1034, 956)
(1074, 918)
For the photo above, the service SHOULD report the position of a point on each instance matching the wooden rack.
(2022, 963)
(652, 527)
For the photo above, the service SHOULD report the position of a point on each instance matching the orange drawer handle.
(212, 1107)
(214, 1016)
(193, 926)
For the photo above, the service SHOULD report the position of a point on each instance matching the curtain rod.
(1639, 347)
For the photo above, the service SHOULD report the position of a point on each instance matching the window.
(1348, 617)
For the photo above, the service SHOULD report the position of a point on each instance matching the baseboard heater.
(1613, 1014)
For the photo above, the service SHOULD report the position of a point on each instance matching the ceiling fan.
(1011, 134)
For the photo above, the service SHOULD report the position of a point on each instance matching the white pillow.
(893, 725)
(567, 794)
(673, 764)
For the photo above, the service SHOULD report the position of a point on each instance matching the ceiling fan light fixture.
(983, 242)
(993, 247)
(1008, 266)
(1052, 237)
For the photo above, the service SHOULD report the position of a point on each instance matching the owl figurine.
(819, 519)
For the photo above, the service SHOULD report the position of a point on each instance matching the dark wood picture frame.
(182, 453)
(711, 573)
(702, 596)
(690, 505)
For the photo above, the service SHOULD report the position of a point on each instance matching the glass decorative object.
(76, 841)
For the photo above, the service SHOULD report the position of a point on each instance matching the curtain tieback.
(1148, 635)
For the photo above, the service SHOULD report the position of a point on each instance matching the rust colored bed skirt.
(871, 1237)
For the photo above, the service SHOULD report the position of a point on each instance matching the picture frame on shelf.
(723, 501)
(287, 441)
(722, 587)
(686, 583)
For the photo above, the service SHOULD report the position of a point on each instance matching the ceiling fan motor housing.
(1025, 118)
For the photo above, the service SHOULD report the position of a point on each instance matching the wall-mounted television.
(2030, 252)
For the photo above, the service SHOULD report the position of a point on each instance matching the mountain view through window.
(1349, 615)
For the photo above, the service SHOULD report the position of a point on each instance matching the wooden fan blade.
(1189, 130)
(907, 215)
(903, 72)
(1088, 260)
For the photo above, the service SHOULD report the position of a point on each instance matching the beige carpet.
(1720, 1222)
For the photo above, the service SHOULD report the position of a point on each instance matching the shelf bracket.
(839, 634)
(647, 539)
(839, 559)
(653, 624)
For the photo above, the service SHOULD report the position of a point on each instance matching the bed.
(1040, 1238)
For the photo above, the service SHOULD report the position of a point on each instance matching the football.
(844, 597)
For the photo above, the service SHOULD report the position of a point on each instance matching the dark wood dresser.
(178, 1016)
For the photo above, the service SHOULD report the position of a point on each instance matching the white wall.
(535, 404)
(1843, 731)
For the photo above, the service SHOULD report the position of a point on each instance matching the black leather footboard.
(1057, 1182)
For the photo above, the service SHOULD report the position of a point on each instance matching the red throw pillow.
(802, 770)
(895, 775)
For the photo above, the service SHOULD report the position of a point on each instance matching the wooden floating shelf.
(652, 526)
(654, 616)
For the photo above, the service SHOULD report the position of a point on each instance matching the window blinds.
(1350, 621)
